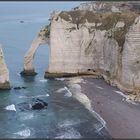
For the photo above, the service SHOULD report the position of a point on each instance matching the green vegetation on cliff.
(45, 32)
(107, 21)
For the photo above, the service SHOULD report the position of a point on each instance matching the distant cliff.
(97, 38)
(4, 73)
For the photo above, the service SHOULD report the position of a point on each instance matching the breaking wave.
(99, 87)
(69, 134)
(67, 131)
(43, 80)
(76, 80)
(127, 97)
(27, 116)
(121, 93)
(61, 90)
(82, 98)
(11, 107)
(67, 94)
(67, 123)
(24, 133)
(60, 79)
(37, 96)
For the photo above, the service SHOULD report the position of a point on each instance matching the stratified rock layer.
(4, 73)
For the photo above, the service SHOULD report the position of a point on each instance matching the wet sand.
(122, 118)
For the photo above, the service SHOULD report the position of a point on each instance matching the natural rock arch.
(29, 69)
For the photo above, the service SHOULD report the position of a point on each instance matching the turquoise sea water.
(64, 117)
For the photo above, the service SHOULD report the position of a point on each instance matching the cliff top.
(107, 19)
(99, 12)
(106, 6)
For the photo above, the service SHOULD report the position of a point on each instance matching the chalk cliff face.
(98, 38)
(4, 73)
(104, 43)
(130, 75)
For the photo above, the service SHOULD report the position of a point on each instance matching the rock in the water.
(28, 73)
(4, 73)
(18, 88)
(35, 104)
(25, 106)
(39, 104)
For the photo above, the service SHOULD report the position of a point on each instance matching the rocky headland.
(96, 38)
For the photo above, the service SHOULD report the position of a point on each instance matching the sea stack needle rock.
(4, 73)
(42, 38)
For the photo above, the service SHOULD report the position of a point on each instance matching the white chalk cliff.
(4, 73)
(96, 38)
(29, 56)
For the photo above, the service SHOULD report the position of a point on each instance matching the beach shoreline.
(121, 117)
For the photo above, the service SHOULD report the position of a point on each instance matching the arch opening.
(29, 69)
(41, 59)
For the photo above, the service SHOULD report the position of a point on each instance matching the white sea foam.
(60, 90)
(24, 133)
(11, 107)
(60, 79)
(99, 87)
(76, 80)
(69, 133)
(121, 93)
(127, 98)
(43, 80)
(68, 93)
(67, 123)
(27, 116)
(81, 97)
(130, 101)
(37, 96)
(76, 90)
(87, 103)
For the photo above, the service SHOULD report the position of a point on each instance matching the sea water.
(65, 116)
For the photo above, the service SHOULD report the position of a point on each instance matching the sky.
(20, 8)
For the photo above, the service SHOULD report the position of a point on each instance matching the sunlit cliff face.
(4, 73)
(95, 41)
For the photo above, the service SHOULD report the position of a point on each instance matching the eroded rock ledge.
(4, 73)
